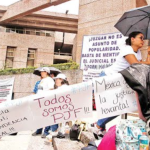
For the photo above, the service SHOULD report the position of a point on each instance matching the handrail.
(66, 54)
(24, 31)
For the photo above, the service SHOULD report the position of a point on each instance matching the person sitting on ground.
(129, 54)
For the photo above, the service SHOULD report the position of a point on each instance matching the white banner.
(6, 87)
(99, 52)
(51, 107)
(113, 96)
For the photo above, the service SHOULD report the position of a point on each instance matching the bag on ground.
(128, 133)
(74, 132)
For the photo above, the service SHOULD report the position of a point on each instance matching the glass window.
(9, 57)
(31, 57)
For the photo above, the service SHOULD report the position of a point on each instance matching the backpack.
(74, 132)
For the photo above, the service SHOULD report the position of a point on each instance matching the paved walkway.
(23, 141)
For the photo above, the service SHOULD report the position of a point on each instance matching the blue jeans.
(52, 127)
(102, 122)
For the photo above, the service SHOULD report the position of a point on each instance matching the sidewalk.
(23, 141)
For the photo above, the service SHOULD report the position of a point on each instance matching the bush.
(65, 66)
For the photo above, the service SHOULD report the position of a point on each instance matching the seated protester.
(129, 54)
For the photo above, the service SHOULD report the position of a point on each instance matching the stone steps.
(67, 144)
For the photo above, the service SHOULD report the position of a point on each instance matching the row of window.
(11, 53)
(28, 31)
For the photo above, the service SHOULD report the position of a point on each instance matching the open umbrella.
(53, 70)
(135, 20)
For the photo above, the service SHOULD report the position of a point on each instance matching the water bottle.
(144, 142)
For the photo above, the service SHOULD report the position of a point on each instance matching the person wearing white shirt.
(129, 54)
(46, 84)
(121, 63)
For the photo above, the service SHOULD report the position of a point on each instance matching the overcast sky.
(72, 6)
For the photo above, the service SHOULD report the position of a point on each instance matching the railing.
(64, 54)
(27, 31)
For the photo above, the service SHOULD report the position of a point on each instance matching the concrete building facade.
(54, 37)
(100, 16)
(40, 38)
(33, 50)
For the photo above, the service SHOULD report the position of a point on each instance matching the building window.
(27, 32)
(10, 57)
(31, 57)
(48, 34)
(38, 33)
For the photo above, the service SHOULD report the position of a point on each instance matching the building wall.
(24, 83)
(68, 39)
(148, 2)
(99, 17)
(44, 48)
(74, 49)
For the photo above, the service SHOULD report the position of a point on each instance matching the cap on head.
(61, 76)
(45, 69)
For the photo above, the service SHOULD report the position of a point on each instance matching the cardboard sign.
(113, 96)
(99, 52)
(6, 87)
(47, 108)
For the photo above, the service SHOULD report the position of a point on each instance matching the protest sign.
(6, 87)
(113, 96)
(47, 108)
(99, 52)
(15, 116)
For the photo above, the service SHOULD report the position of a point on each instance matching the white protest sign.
(15, 116)
(113, 96)
(6, 87)
(99, 52)
(48, 108)
(63, 104)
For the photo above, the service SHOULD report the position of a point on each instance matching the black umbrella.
(135, 20)
(53, 70)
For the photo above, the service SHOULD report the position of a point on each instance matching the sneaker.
(35, 134)
(43, 135)
(54, 133)
(60, 135)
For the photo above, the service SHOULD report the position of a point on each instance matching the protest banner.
(113, 96)
(47, 108)
(6, 87)
(99, 52)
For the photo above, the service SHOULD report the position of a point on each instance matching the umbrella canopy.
(53, 70)
(135, 20)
